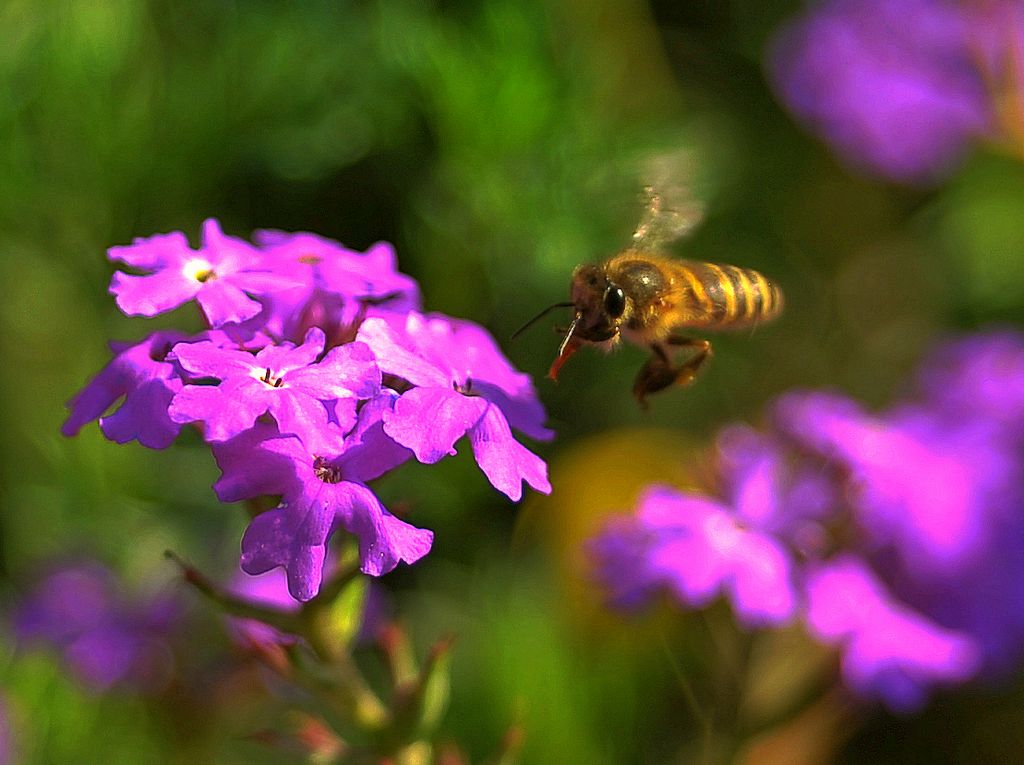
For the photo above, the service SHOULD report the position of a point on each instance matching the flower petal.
(890, 651)
(505, 461)
(292, 536)
(430, 420)
(259, 462)
(226, 409)
(369, 451)
(152, 294)
(225, 303)
(397, 355)
(211, 359)
(154, 252)
(298, 413)
(384, 540)
(761, 581)
(287, 359)
(346, 370)
(694, 546)
(142, 375)
(143, 416)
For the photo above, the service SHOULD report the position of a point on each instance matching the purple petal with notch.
(505, 461)
(430, 420)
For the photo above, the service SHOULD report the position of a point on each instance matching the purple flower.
(918, 488)
(105, 638)
(980, 374)
(905, 524)
(774, 492)
(621, 554)
(371, 278)
(893, 85)
(933, 495)
(335, 287)
(889, 651)
(284, 380)
(147, 381)
(321, 490)
(220, 276)
(699, 550)
(294, 405)
(461, 385)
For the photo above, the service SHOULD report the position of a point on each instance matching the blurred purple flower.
(903, 529)
(935, 496)
(461, 385)
(267, 589)
(147, 381)
(698, 549)
(982, 375)
(106, 639)
(620, 553)
(284, 380)
(320, 490)
(220, 276)
(917, 488)
(893, 85)
(773, 492)
(889, 652)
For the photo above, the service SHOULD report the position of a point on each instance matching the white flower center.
(199, 270)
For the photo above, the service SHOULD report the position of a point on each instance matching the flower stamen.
(269, 379)
(325, 471)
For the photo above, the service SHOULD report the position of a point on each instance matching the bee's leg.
(687, 373)
(659, 372)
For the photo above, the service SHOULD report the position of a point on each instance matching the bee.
(649, 299)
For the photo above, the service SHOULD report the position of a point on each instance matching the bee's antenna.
(540, 316)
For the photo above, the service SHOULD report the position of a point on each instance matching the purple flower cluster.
(902, 87)
(106, 638)
(316, 374)
(897, 537)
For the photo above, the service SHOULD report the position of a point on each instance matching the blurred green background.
(498, 145)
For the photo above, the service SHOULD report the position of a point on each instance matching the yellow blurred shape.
(595, 479)
(785, 667)
(813, 737)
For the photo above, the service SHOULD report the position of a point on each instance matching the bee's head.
(599, 305)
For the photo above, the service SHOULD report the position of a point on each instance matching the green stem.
(366, 708)
(233, 604)
(349, 691)
(704, 721)
(333, 587)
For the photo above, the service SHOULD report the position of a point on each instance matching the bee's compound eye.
(614, 301)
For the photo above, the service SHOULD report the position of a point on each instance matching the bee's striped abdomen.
(728, 296)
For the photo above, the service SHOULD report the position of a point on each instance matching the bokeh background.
(498, 144)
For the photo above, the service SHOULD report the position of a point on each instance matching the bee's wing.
(670, 208)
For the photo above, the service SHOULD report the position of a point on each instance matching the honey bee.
(648, 298)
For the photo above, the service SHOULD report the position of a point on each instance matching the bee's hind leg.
(659, 372)
(687, 373)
